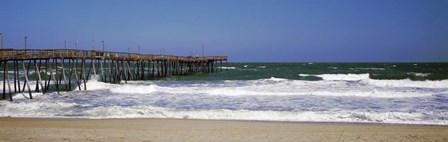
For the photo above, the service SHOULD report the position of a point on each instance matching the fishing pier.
(68, 69)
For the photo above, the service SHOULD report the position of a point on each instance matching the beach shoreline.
(154, 129)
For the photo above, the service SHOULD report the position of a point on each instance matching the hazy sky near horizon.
(245, 30)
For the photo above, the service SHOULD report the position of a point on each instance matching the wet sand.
(154, 130)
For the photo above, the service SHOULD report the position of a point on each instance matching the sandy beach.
(154, 130)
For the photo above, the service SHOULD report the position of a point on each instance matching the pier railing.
(27, 54)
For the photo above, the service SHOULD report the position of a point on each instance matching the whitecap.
(419, 74)
(409, 83)
(232, 68)
(343, 76)
(380, 69)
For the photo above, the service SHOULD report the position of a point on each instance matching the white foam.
(25, 95)
(422, 74)
(284, 87)
(230, 68)
(381, 69)
(332, 85)
(340, 77)
(134, 89)
(94, 84)
(348, 86)
(38, 109)
(344, 76)
(34, 109)
(384, 83)
(9, 72)
(419, 74)
(32, 85)
(274, 79)
(409, 83)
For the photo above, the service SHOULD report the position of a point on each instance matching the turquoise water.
(410, 93)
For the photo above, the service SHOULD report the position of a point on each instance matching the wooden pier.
(70, 69)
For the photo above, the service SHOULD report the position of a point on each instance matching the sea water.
(410, 93)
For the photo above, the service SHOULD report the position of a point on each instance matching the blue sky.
(245, 30)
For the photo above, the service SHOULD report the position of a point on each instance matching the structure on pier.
(68, 68)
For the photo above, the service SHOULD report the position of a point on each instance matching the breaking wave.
(270, 99)
(65, 110)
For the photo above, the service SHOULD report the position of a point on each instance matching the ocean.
(405, 93)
